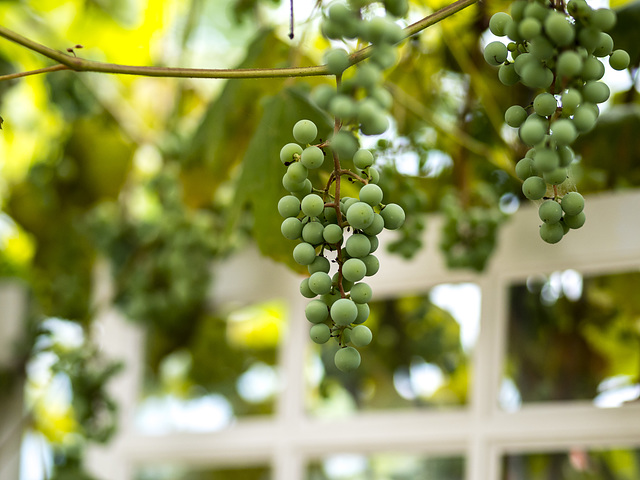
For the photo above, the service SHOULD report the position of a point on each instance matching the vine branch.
(71, 62)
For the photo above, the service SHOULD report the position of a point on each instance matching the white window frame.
(481, 432)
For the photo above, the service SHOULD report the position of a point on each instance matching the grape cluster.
(556, 50)
(338, 238)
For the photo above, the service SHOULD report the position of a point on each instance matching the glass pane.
(577, 464)
(419, 356)
(573, 338)
(176, 472)
(226, 369)
(387, 467)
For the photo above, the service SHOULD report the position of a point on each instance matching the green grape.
(569, 64)
(373, 239)
(316, 311)
(558, 29)
(495, 53)
(566, 156)
(339, 13)
(362, 159)
(595, 92)
(297, 172)
(305, 291)
(570, 101)
(393, 216)
(556, 176)
(619, 60)
(291, 228)
(563, 132)
(320, 333)
(291, 185)
(545, 104)
(344, 311)
(604, 46)
(537, 11)
(347, 359)
(361, 293)
(532, 131)
(304, 253)
(545, 160)
(550, 211)
(603, 19)
(363, 313)
(575, 221)
(572, 203)
(320, 264)
(360, 215)
(515, 116)
(303, 190)
(346, 284)
(374, 175)
(358, 245)
(331, 298)
(322, 95)
(288, 152)
(534, 188)
(344, 144)
(524, 168)
(507, 74)
(337, 61)
(332, 234)
(517, 9)
(585, 118)
(376, 226)
(529, 28)
(541, 48)
(312, 205)
(593, 69)
(354, 269)
(522, 61)
(551, 232)
(371, 194)
(361, 336)
(342, 106)
(498, 23)
(384, 57)
(536, 75)
(320, 283)
(312, 157)
(312, 233)
(305, 131)
(368, 75)
(397, 8)
(330, 216)
(372, 263)
(289, 206)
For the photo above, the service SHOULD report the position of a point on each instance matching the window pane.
(224, 370)
(573, 338)
(387, 467)
(176, 472)
(577, 464)
(419, 356)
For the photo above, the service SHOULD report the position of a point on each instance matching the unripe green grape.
(507, 74)
(515, 116)
(332, 234)
(393, 216)
(570, 101)
(289, 206)
(556, 176)
(312, 157)
(368, 75)
(291, 185)
(537, 11)
(517, 9)
(572, 203)
(363, 158)
(529, 28)
(397, 8)
(523, 60)
(344, 311)
(297, 172)
(337, 61)
(550, 211)
(312, 205)
(344, 144)
(372, 263)
(358, 245)
(302, 190)
(545, 160)
(374, 175)
(305, 291)
(535, 75)
(320, 264)
(320, 333)
(376, 226)
(619, 60)
(382, 96)
(361, 293)
(331, 30)
(498, 23)
(524, 168)
(545, 104)
(342, 106)
(376, 125)
(363, 313)
(541, 48)
(305, 131)
(603, 18)
(585, 118)
(346, 284)
(563, 132)
(322, 95)
(578, 8)
(566, 156)
(360, 215)
(361, 336)
(534, 188)
(291, 228)
(371, 194)
(312, 233)
(330, 215)
(344, 336)
(569, 64)
(551, 232)
(495, 53)
(331, 298)
(316, 311)
(589, 38)
(339, 13)
(373, 239)
(320, 283)
(288, 151)
(347, 359)
(595, 92)
(575, 221)
(532, 131)
(354, 269)
(604, 46)
(346, 203)
(304, 253)
(558, 29)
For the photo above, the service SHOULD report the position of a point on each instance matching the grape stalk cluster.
(557, 50)
(338, 238)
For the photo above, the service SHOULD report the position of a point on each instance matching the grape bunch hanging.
(557, 50)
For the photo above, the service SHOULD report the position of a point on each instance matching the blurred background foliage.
(162, 176)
